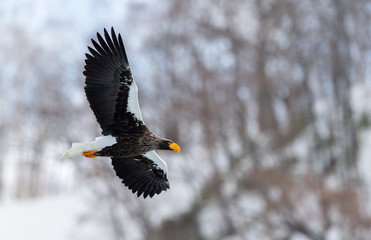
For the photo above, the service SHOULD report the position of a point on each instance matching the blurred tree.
(257, 93)
(35, 114)
(263, 89)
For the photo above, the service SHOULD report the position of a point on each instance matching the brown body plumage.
(129, 145)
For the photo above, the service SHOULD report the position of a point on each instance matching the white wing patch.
(103, 141)
(156, 159)
(133, 103)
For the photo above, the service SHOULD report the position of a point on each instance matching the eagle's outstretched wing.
(110, 87)
(145, 174)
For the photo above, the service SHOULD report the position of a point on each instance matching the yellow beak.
(175, 147)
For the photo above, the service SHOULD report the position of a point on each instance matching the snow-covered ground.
(53, 217)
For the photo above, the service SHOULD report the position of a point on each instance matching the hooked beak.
(174, 147)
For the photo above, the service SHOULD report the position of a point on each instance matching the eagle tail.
(88, 149)
(78, 149)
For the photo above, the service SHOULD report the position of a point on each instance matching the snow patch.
(54, 217)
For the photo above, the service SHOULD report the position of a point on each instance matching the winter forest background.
(269, 101)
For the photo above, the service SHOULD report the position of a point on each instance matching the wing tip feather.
(141, 180)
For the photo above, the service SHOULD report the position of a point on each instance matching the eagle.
(113, 97)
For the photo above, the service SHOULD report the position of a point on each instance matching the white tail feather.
(77, 149)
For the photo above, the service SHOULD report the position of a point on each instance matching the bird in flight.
(113, 96)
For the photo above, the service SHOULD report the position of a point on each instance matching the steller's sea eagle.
(113, 96)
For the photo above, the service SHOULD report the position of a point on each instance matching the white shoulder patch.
(133, 103)
(102, 142)
(156, 159)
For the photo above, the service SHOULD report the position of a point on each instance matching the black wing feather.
(110, 43)
(108, 81)
(141, 175)
(98, 47)
(103, 46)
